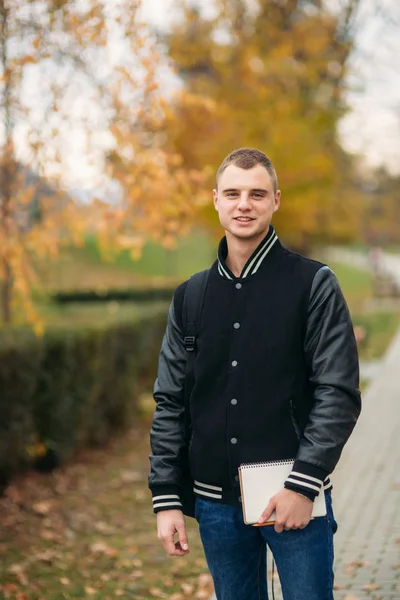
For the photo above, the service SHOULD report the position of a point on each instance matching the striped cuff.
(166, 498)
(306, 479)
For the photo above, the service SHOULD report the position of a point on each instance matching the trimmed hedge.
(72, 388)
(132, 295)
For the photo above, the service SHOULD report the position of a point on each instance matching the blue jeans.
(236, 554)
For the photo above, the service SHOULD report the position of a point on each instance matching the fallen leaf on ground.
(43, 508)
(13, 494)
(104, 528)
(15, 569)
(90, 591)
(131, 476)
(351, 597)
(50, 536)
(187, 588)
(371, 587)
(136, 574)
(137, 562)
(204, 579)
(202, 595)
(65, 581)
(47, 556)
(157, 592)
(102, 548)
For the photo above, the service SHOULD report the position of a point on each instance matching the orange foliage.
(271, 74)
(104, 47)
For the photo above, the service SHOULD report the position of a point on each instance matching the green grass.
(356, 285)
(87, 268)
(380, 326)
(193, 253)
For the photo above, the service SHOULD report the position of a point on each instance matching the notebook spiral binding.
(286, 461)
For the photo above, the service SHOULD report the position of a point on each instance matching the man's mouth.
(244, 219)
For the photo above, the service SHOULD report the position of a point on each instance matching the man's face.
(245, 201)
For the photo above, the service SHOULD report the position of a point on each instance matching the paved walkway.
(366, 494)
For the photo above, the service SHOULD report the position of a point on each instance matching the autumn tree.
(79, 82)
(272, 75)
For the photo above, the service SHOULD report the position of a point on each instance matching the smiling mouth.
(244, 219)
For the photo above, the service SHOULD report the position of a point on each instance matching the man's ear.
(277, 200)
(215, 197)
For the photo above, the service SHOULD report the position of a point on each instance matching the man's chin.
(246, 235)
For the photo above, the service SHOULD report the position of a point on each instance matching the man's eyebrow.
(258, 190)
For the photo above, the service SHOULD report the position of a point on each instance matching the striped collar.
(255, 260)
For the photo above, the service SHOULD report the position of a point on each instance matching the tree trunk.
(6, 158)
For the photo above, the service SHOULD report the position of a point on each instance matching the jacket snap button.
(236, 477)
(233, 401)
(236, 325)
(240, 498)
(233, 441)
(234, 363)
(238, 286)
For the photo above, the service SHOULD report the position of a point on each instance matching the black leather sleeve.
(331, 354)
(167, 430)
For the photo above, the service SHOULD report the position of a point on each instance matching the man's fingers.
(179, 551)
(183, 541)
(170, 523)
(179, 548)
(267, 512)
(279, 526)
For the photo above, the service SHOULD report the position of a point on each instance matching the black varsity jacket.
(276, 377)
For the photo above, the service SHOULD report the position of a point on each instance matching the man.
(276, 377)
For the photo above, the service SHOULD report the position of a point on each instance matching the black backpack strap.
(191, 315)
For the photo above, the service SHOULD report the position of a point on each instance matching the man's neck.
(239, 252)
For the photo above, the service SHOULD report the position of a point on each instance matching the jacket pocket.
(294, 419)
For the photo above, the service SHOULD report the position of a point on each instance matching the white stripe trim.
(223, 270)
(303, 484)
(328, 485)
(161, 504)
(307, 477)
(266, 247)
(166, 496)
(209, 487)
(218, 496)
(264, 255)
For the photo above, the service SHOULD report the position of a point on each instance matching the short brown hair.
(247, 158)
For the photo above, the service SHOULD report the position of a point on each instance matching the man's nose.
(244, 201)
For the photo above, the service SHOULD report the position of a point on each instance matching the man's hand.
(292, 511)
(170, 522)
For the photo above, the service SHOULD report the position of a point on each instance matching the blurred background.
(114, 117)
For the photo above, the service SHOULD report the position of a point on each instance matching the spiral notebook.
(260, 481)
